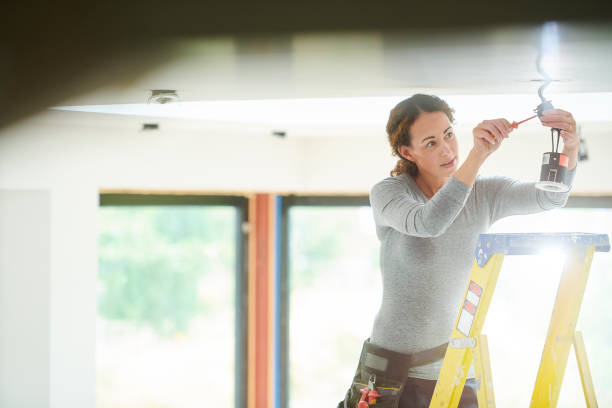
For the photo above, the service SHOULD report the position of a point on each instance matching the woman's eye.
(450, 134)
(430, 144)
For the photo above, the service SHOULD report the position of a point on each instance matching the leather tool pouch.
(387, 370)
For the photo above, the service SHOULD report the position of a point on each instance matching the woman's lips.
(449, 164)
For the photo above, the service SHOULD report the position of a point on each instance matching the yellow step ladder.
(467, 345)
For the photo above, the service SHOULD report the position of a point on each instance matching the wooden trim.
(251, 308)
(271, 296)
(262, 232)
(261, 300)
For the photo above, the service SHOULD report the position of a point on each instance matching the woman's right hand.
(489, 134)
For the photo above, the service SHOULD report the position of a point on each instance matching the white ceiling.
(368, 64)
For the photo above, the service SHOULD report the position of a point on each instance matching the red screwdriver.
(515, 124)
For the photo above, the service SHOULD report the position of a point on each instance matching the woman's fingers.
(507, 126)
(501, 128)
(565, 125)
(490, 137)
(495, 130)
(559, 119)
(556, 112)
(494, 133)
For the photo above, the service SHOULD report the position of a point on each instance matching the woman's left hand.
(560, 119)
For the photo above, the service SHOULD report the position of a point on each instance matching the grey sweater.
(427, 251)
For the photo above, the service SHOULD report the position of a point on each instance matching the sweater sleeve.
(509, 196)
(394, 206)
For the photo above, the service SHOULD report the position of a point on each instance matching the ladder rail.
(467, 345)
(468, 326)
(561, 328)
(585, 371)
(484, 376)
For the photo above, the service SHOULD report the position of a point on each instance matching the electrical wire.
(552, 139)
(547, 79)
(545, 104)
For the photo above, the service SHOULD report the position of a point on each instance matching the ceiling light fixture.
(163, 96)
(553, 175)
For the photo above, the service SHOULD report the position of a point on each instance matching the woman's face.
(433, 146)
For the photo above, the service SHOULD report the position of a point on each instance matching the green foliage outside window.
(320, 235)
(152, 261)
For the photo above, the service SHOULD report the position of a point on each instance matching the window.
(518, 318)
(171, 328)
(330, 293)
(333, 284)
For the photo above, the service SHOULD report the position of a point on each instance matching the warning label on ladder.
(468, 311)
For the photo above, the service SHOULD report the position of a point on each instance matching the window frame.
(241, 268)
(594, 201)
(282, 324)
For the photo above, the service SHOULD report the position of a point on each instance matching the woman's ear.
(405, 151)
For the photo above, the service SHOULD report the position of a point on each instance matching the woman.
(428, 216)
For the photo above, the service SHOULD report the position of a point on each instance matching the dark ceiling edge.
(51, 51)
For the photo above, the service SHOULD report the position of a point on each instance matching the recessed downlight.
(163, 96)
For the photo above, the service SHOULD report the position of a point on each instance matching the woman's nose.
(446, 148)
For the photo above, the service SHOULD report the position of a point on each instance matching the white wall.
(71, 149)
(67, 157)
(25, 264)
(354, 164)
(50, 152)
(73, 300)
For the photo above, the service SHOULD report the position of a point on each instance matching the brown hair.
(402, 116)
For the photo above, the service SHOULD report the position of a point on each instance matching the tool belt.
(384, 372)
